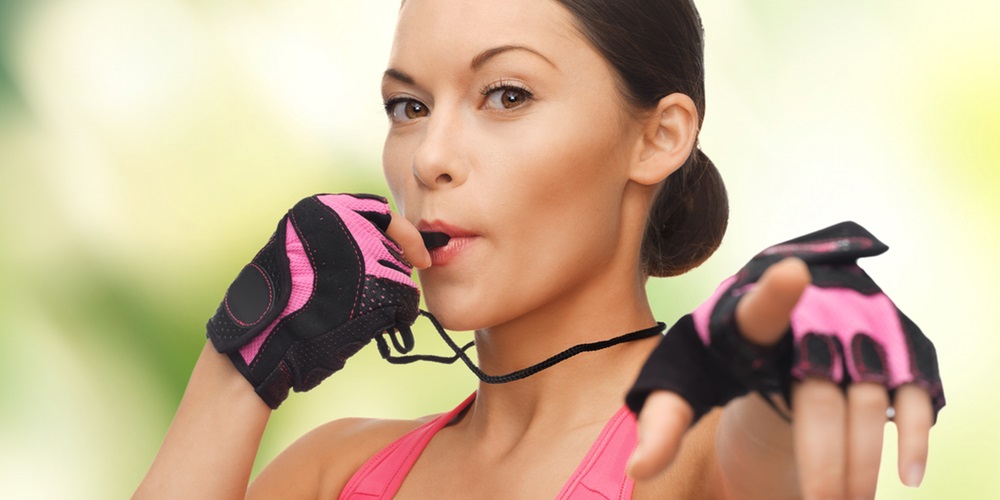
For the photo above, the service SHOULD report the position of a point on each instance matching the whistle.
(434, 239)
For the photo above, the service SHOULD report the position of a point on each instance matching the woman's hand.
(210, 447)
(329, 281)
(837, 433)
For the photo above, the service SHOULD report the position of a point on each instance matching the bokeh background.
(147, 148)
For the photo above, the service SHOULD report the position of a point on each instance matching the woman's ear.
(669, 135)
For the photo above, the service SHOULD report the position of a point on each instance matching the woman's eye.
(405, 109)
(507, 97)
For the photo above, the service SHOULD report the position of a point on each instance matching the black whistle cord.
(406, 345)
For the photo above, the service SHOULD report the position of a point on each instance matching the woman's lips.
(444, 241)
(441, 256)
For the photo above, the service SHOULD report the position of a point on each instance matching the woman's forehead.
(459, 26)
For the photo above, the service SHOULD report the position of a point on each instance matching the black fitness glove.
(327, 282)
(843, 329)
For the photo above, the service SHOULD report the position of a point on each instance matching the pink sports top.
(601, 475)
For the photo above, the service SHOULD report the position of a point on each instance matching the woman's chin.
(455, 320)
(459, 315)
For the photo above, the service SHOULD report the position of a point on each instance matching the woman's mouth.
(434, 239)
(443, 241)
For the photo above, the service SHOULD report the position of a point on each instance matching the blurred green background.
(147, 148)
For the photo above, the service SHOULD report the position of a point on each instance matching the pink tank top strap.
(383, 474)
(602, 473)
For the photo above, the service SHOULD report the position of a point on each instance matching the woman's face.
(508, 133)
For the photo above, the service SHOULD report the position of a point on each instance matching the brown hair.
(656, 48)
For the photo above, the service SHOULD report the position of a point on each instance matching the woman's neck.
(609, 301)
(584, 389)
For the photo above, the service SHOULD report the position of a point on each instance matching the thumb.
(763, 314)
(662, 422)
(406, 235)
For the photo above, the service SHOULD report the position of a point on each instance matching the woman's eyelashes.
(403, 109)
(504, 96)
(501, 96)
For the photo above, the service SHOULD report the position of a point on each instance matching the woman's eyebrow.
(486, 55)
(396, 74)
(477, 62)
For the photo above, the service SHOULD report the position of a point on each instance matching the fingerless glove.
(843, 329)
(327, 282)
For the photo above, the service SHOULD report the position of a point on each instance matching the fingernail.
(914, 475)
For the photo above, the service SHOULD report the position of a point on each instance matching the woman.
(555, 144)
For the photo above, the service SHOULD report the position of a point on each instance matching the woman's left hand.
(792, 330)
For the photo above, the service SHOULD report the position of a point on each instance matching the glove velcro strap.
(301, 363)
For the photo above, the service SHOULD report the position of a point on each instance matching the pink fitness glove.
(327, 282)
(843, 329)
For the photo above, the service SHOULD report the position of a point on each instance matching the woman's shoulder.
(321, 462)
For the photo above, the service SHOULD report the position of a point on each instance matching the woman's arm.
(210, 447)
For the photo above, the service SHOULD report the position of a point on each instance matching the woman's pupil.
(511, 98)
(414, 110)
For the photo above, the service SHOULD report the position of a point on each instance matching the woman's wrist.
(215, 376)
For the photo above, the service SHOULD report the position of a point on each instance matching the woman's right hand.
(802, 320)
(329, 281)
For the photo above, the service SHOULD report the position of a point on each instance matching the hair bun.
(687, 220)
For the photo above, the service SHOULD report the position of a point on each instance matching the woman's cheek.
(390, 169)
(397, 172)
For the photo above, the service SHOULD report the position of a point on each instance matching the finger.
(866, 419)
(406, 234)
(914, 417)
(763, 313)
(818, 413)
(664, 418)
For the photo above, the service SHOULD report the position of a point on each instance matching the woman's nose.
(437, 163)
